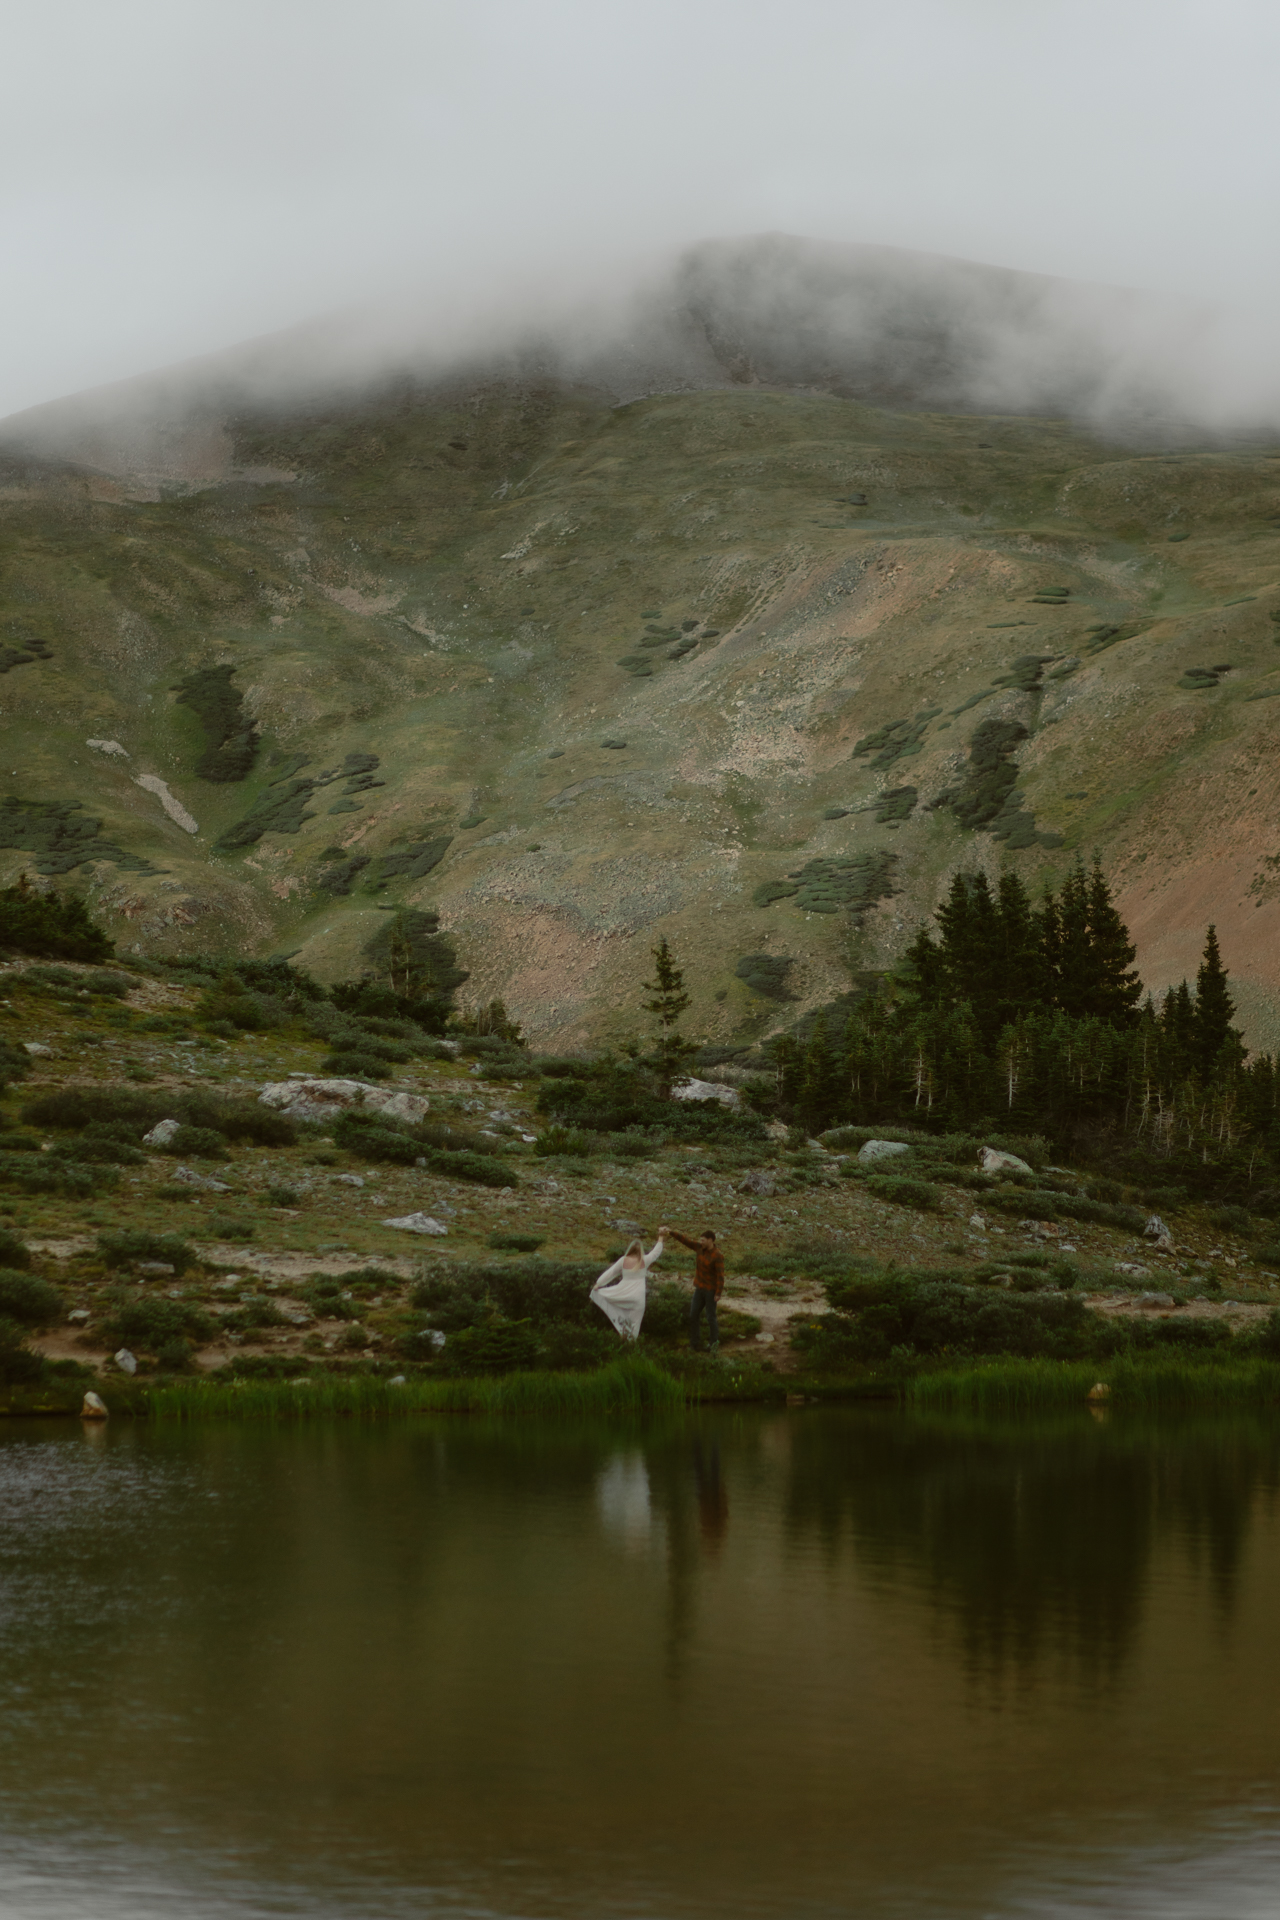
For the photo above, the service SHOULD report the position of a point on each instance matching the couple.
(619, 1291)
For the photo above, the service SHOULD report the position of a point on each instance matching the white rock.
(107, 746)
(1134, 1273)
(125, 1361)
(881, 1150)
(416, 1223)
(1155, 1300)
(170, 802)
(397, 1380)
(313, 1099)
(93, 1408)
(35, 1047)
(706, 1090)
(78, 1316)
(992, 1161)
(758, 1180)
(978, 1220)
(350, 1179)
(1157, 1232)
(161, 1134)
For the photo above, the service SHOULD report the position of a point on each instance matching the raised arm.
(655, 1253)
(683, 1238)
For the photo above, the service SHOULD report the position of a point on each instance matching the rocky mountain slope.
(749, 663)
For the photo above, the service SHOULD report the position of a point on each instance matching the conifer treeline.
(1032, 1018)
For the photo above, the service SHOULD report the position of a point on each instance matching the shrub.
(103, 1146)
(204, 1143)
(1231, 1219)
(516, 1242)
(234, 1119)
(121, 1247)
(149, 1324)
(631, 1146)
(903, 1192)
(18, 1364)
(45, 923)
(480, 1167)
(566, 1140)
(357, 1066)
(13, 1253)
(284, 1196)
(543, 1292)
(1098, 1213)
(174, 1355)
(250, 1315)
(493, 1346)
(666, 1312)
(569, 1349)
(27, 1298)
(896, 1314)
(47, 1175)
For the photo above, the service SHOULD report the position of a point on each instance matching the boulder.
(1153, 1300)
(35, 1048)
(1157, 1232)
(881, 1150)
(79, 1316)
(349, 1179)
(991, 1160)
(126, 1361)
(314, 1099)
(93, 1408)
(161, 1134)
(706, 1090)
(416, 1223)
(1134, 1272)
(758, 1180)
(154, 1269)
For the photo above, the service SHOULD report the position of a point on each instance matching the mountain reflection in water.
(814, 1663)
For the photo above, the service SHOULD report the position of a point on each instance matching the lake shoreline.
(643, 1385)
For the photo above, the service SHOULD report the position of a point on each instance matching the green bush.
(149, 1324)
(1231, 1219)
(76, 1107)
(202, 1143)
(103, 1146)
(566, 1140)
(494, 1346)
(284, 1196)
(631, 1146)
(903, 1192)
(13, 1252)
(893, 1315)
(516, 1242)
(45, 923)
(18, 1364)
(48, 1175)
(666, 1312)
(26, 1298)
(121, 1247)
(356, 1066)
(479, 1167)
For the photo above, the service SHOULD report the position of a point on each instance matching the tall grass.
(1004, 1386)
(629, 1386)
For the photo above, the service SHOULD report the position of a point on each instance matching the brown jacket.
(709, 1273)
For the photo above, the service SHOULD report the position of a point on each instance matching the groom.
(708, 1283)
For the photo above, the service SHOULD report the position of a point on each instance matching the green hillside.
(754, 669)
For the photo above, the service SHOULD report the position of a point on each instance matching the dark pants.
(703, 1302)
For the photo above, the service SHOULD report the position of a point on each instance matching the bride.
(619, 1291)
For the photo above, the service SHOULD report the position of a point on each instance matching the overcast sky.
(181, 174)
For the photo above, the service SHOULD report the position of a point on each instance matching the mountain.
(744, 606)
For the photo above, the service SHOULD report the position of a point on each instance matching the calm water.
(807, 1664)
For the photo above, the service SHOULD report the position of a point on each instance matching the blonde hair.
(636, 1247)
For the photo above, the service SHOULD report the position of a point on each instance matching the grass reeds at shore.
(629, 1386)
(1014, 1386)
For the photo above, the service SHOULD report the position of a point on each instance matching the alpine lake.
(818, 1661)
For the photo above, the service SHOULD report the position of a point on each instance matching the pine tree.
(672, 1053)
(1115, 990)
(1214, 1012)
(970, 950)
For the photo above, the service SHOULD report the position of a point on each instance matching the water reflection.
(447, 1668)
(1034, 1541)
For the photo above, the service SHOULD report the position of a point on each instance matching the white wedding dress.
(619, 1293)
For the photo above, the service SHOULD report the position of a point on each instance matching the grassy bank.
(631, 1386)
(1011, 1386)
